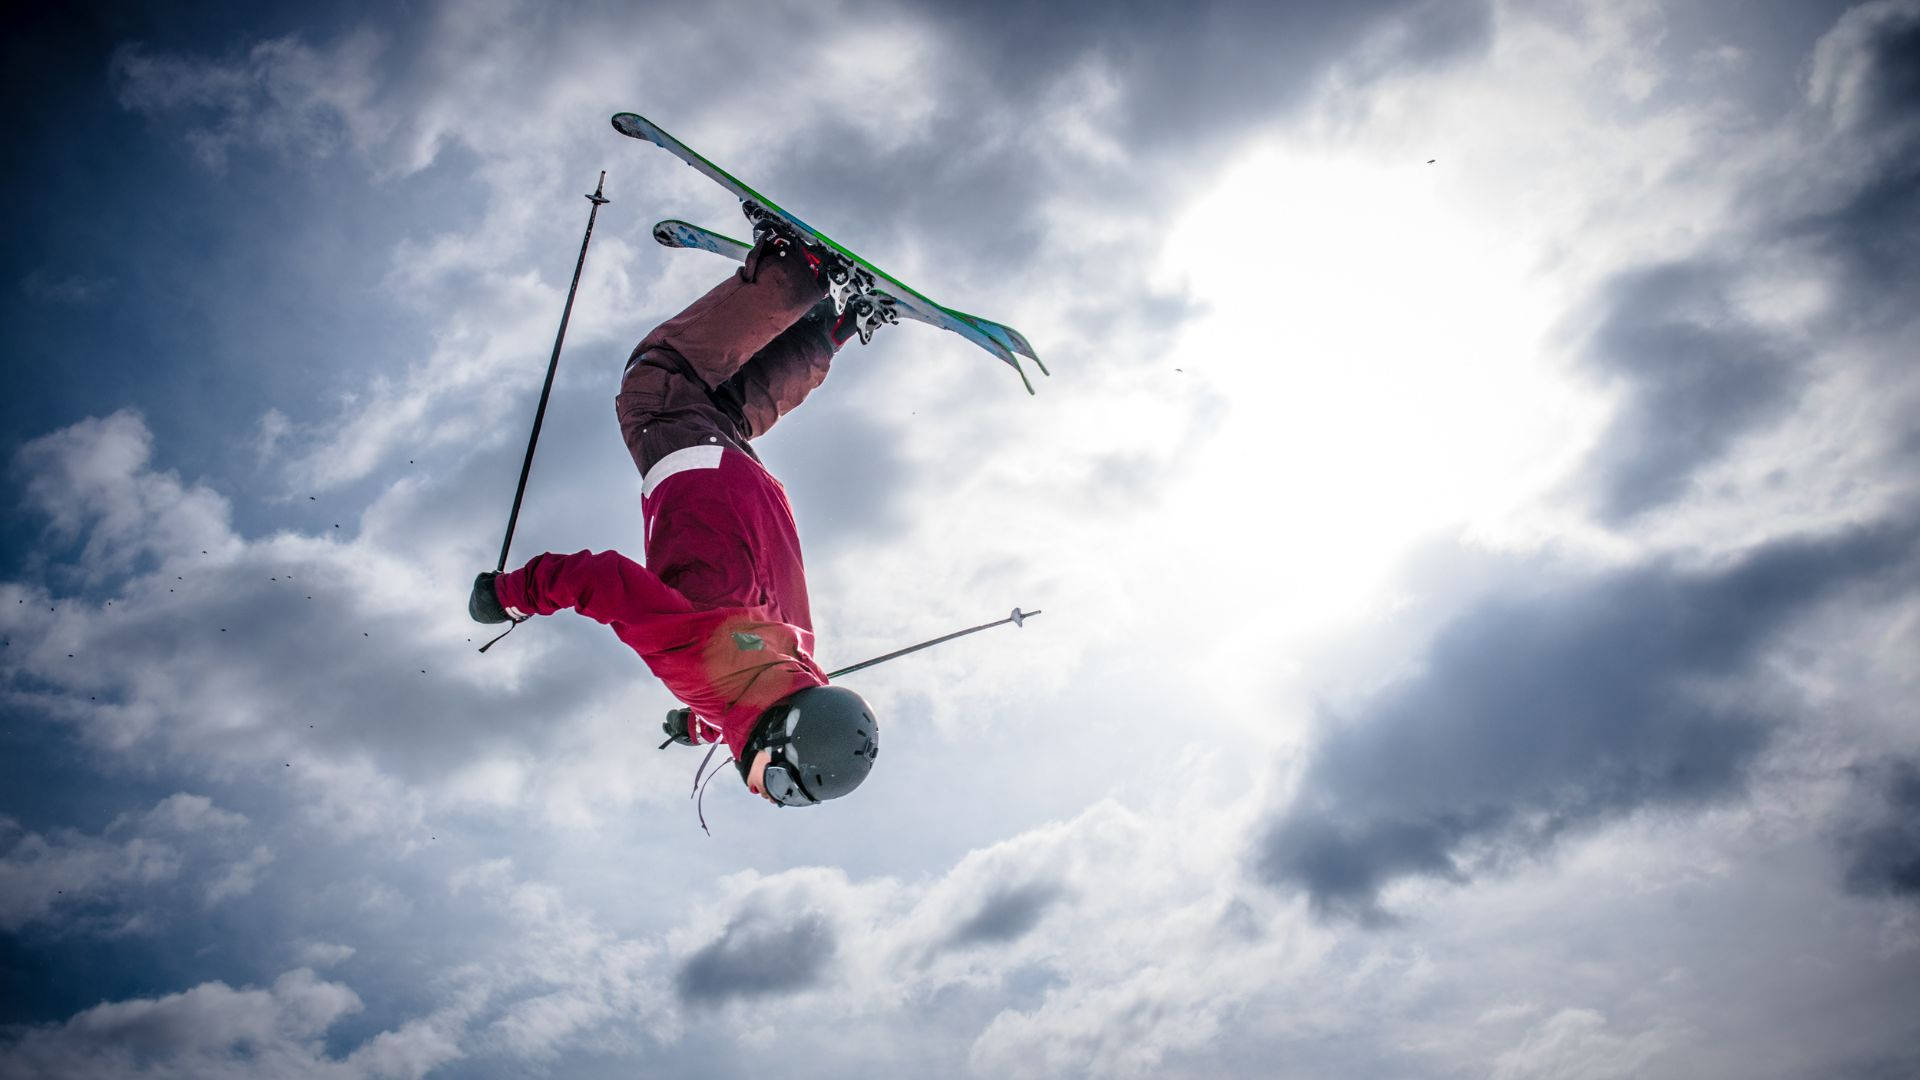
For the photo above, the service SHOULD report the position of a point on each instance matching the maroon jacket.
(719, 613)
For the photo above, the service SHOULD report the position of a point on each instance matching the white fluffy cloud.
(214, 1030)
(93, 481)
(113, 882)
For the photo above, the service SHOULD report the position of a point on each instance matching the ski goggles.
(782, 783)
(781, 778)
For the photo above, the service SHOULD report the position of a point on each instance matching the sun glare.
(1376, 342)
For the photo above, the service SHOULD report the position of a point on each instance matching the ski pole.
(1018, 618)
(553, 364)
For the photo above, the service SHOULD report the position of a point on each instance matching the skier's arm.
(605, 586)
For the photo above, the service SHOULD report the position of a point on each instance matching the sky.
(1473, 511)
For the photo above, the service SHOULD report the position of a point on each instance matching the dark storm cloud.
(1539, 713)
(1883, 849)
(1193, 71)
(1700, 375)
(1866, 76)
(1006, 915)
(1874, 234)
(1894, 93)
(758, 955)
(1870, 70)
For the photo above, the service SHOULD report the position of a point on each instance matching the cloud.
(856, 949)
(1190, 76)
(46, 287)
(115, 882)
(1572, 702)
(215, 1031)
(273, 427)
(1007, 915)
(212, 646)
(916, 197)
(92, 479)
(411, 1051)
(240, 877)
(1711, 348)
(1882, 847)
(1554, 708)
(1701, 375)
(760, 954)
(319, 954)
(1866, 70)
(282, 95)
(1864, 215)
(1575, 1044)
(186, 814)
(1033, 165)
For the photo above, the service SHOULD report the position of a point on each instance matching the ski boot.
(837, 274)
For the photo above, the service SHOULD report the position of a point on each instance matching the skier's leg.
(717, 334)
(663, 408)
(780, 376)
(670, 394)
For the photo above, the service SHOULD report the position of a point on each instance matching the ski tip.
(1014, 340)
(1006, 336)
(664, 232)
(1008, 358)
(632, 124)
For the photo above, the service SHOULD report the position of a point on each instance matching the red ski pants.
(730, 365)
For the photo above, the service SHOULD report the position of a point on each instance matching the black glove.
(675, 726)
(484, 604)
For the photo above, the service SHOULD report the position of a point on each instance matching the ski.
(675, 233)
(999, 339)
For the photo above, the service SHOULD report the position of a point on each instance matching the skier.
(719, 611)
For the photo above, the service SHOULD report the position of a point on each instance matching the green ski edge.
(971, 327)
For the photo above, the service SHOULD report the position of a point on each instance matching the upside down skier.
(719, 612)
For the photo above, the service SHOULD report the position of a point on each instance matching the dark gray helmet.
(822, 743)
